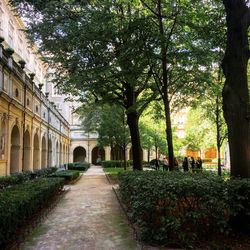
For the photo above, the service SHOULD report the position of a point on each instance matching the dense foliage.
(80, 166)
(181, 207)
(19, 178)
(19, 203)
(115, 164)
(68, 175)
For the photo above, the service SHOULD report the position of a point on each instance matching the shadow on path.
(88, 217)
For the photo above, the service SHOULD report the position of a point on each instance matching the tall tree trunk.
(165, 90)
(133, 124)
(218, 134)
(235, 91)
(169, 134)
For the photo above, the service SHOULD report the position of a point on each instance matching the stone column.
(127, 153)
(107, 153)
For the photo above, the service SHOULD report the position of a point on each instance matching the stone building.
(33, 134)
(38, 128)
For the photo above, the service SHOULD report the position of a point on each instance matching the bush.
(80, 166)
(19, 203)
(116, 164)
(18, 178)
(182, 207)
(14, 179)
(68, 175)
(44, 172)
(239, 201)
(152, 163)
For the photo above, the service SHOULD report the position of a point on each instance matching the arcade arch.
(44, 153)
(79, 154)
(49, 153)
(15, 150)
(27, 149)
(98, 155)
(36, 150)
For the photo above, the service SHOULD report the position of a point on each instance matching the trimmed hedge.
(19, 203)
(14, 179)
(68, 175)
(178, 207)
(116, 164)
(18, 178)
(44, 172)
(80, 166)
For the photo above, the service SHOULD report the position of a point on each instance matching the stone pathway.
(88, 217)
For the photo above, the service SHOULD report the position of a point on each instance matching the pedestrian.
(165, 164)
(185, 164)
(199, 163)
(192, 162)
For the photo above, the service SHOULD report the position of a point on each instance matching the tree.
(235, 92)
(182, 55)
(198, 130)
(98, 48)
(108, 121)
(211, 107)
(152, 135)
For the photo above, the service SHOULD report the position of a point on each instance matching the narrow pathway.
(88, 217)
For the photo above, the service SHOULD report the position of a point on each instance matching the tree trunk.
(165, 90)
(133, 124)
(169, 134)
(218, 134)
(235, 91)
(219, 160)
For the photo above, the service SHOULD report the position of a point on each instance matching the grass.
(115, 170)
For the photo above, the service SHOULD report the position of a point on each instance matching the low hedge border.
(18, 204)
(80, 166)
(18, 178)
(181, 208)
(115, 164)
(68, 175)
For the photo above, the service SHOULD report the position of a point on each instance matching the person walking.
(192, 162)
(199, 163)
(185, 164)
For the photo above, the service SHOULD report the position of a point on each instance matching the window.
(20, 47)
(16, 93)
(5, 81)
(1, 20)
(37, 109)
(56, 91)
(11, 34)
(28, 101)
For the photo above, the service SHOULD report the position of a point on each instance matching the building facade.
(33, 134)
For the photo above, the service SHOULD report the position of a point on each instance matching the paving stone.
(88, 217)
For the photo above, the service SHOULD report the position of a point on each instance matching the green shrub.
(18, 178)
(14, 179)
(182, 207)
(44, 172)
(80, 166)
(19, 203)
(239, 202)
(68, 175)
(116, 164)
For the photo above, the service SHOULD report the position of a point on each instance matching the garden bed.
(185, 210)
(19, 205)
